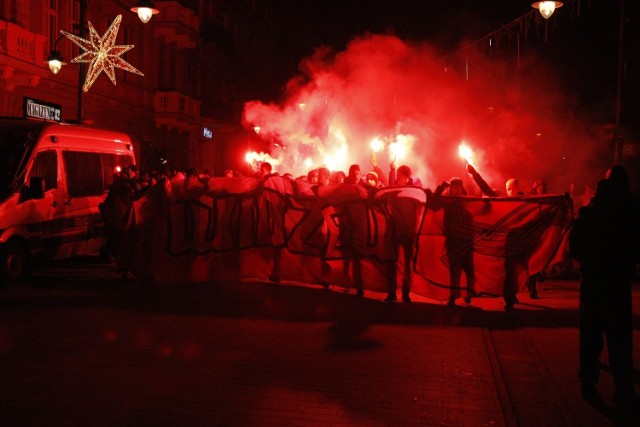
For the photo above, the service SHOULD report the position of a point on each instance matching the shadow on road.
(350, 320)
(87, 284)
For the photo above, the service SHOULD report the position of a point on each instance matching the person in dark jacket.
(511, 261)
(355, 175)
(118, 215)
(458, 236)
(605, 240)
(405, 214)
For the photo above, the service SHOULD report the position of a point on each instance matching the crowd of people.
(604, 239)
(375, 179)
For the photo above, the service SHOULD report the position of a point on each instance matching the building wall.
(191, 81)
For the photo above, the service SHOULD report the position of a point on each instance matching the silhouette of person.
(512, 259)
(324, 176)
(118, 215)
(405, 214)
(538, 188)
(355, 175)
(605, 240)
(337, 177)
(351, 232)
(458, 237)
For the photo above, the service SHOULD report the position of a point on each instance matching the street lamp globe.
(55, 61)
(546, 8)
(145, 11)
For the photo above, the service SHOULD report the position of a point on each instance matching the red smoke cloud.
(516, 119)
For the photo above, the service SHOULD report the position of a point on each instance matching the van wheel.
(14, 262)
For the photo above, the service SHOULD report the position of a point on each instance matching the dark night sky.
(582, 42)
(310, 23)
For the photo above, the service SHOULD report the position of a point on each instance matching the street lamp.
(55, 59)
(546, 8)
(145, 11)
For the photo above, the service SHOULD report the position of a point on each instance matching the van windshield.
(17, 139)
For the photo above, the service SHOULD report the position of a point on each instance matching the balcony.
(177, 24)
(176, 111)
(22, 55)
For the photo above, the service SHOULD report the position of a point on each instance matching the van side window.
(46, 166)
(84, 173)
(111, 163)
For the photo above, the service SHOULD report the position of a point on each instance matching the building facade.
(201, 60)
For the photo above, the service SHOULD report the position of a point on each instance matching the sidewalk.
(97, 351)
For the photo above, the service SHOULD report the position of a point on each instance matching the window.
(8, 10)
(91, 174)
(52, 23)
(46, 167)
(84, 173)
(111, 163)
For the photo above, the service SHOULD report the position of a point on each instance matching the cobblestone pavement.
(80, 347)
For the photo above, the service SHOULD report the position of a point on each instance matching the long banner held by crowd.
(279, 229)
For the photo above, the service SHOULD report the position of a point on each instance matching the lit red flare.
(400, 149)
(376, 145)
(255, 159)
(466, 153)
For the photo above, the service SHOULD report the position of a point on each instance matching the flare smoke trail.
(516, 119)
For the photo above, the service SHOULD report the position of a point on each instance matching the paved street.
(78, 346)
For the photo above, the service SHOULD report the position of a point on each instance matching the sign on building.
(41, 110)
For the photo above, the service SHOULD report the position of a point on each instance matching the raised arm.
(484, 187)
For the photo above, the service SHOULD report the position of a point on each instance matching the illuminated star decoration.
(102, 53)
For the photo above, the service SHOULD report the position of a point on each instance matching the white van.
(53, 176)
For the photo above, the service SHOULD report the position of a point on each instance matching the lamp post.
(619, 85)
(56, 61)
(83, 18)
